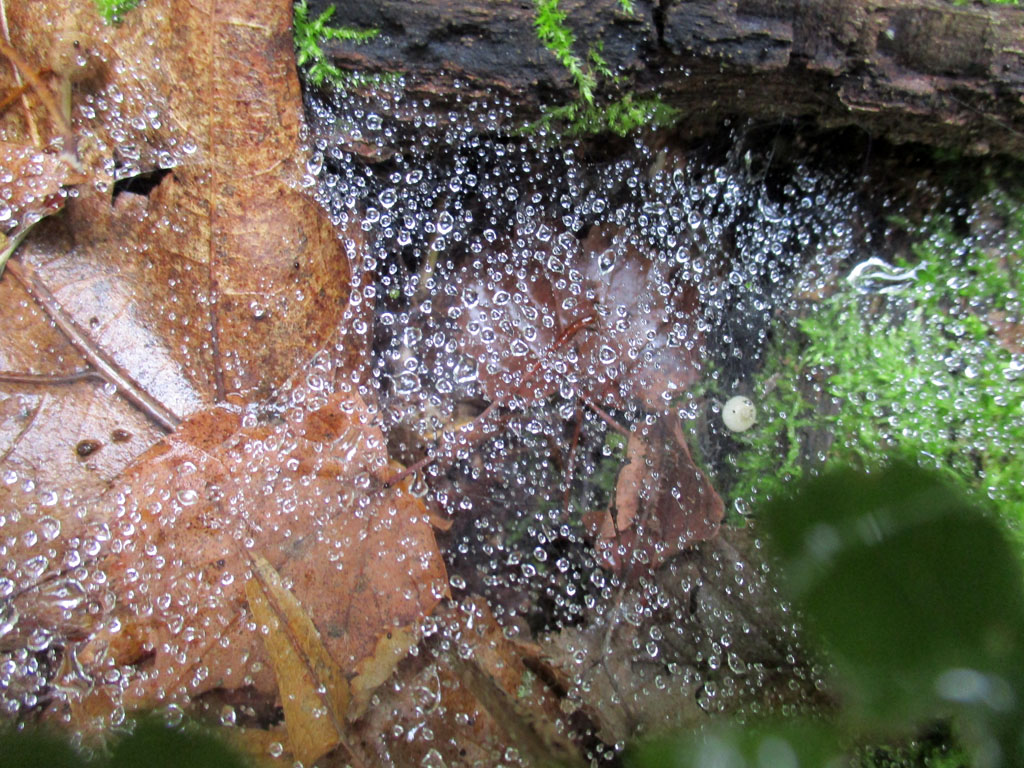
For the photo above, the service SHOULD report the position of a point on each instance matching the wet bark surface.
(923, 70)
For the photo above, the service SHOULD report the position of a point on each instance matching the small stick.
(46, 97)
(568, 475)
(13, 96)
(606, 418)
(43, 379)
(106, 367)
(33, 131)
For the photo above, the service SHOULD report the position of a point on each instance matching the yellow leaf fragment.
(314, 692)
(264, 748)
(374, 670)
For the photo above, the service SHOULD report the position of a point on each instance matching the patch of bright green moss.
(311, 34)
(620, 117)
(920, 361)
(549, 22)
(113, 11)
(587, 116)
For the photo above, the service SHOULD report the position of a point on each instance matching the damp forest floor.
(364, 434)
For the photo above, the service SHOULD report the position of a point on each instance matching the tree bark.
(907, 70)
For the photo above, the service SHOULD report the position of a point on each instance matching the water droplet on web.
(187, 496)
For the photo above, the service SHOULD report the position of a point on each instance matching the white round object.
(739, 413)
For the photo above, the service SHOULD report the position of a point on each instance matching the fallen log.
(925, 71)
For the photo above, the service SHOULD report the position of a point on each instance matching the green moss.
(549, 22)
(917, 370)
(310, 35)
(620, 117)
(113, 11)
(587, 115)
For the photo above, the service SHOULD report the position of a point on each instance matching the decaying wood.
(905, 70)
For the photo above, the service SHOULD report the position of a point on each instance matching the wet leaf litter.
(254, 282)
(303, 326)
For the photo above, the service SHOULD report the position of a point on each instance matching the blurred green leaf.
(762, 745)
(154, 744)
(916, 594)
(37, 749)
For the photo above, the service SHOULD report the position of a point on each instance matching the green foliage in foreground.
(150, 744)
(903, 360)
(311, 34)
(113, 11)
(918, 600)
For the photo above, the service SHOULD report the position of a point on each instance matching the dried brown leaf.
(31, 183)
(373, 671)
(664, 503)
(221, 282)
(306, 492)
(468, 687)
(226, 278)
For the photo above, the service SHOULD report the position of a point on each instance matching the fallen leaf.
(664, 503)
(242, 274)
(215, 277)
(304, 489)
(314, 692)
(30, 187)
(375, 669)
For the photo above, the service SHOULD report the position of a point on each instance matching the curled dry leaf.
(304, 490)
(596, 318)
(314, 692)
(664, 503)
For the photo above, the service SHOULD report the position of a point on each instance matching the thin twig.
(47, 379)
(15, 94)
(46, 97)
(568, 473)
(33, 131)
(606, 418)
(110, 371)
